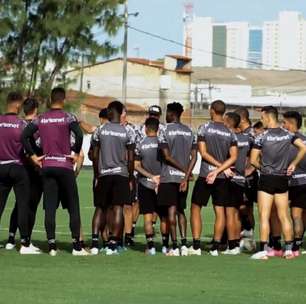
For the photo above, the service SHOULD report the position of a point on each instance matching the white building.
(284, 42)
(227, 39)
(237, 44)
(202, 39)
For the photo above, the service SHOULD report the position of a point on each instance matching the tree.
(40, 38)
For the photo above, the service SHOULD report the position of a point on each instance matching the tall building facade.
(255, 48)
(219, 44)
(279, 44)
(284, 42)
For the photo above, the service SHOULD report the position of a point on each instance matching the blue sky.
(164, 17)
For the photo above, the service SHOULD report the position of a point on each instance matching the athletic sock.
(237, 243)
(165, 239)
(25, 241)
(184, 242)
(95, 241)
(297, 244)
(288, 245)
(133, 229)
(129, 239)
(82, 244)
(245, 223)
(263, 246)
(196, 244)
(150, 242)
(231, 244)
(276, 242)
(119, 242)
(224, 238)
(11, 238)
(104, 243)
(174, 245)
(52, 244)
(76, 245)
(112, 244)
(216, 245)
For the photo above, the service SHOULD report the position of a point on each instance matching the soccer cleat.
(151, 251)
(34, 247)
(53, 252)
(173, 252)
(260, 255)
(28, 250)
(94, 251)
(10, 246)
(184, 251)
(111, 252)
(275, 253)
(81, 252)
(192, 251)
(214, 253)
(164, 250)
(288, 255)
(235, 251)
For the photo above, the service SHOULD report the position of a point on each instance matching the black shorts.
(297, 196)
(169, 195)
(251, 188)
(219, 191)
(147, 200)
(273, 184)
(114, 191)
(236, 195)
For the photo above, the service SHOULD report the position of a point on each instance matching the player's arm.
(170, 160)
(130, 154)
(79, 163)
(193, 160)
(87, 127)
(233, 155)
(298, 143)
(139, 168)
(205, 155)
(255, 158)
(26, 138)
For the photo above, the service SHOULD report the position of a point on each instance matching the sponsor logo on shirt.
(243, 144)
(278, 138)
(57, 158)
(9, 125)
(176, 173)
(113, 133)
(179, 132)
(52, 120)
(112, 170)
(218, 132)
(211, 168)
(149, 146)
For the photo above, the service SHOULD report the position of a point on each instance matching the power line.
(206, 51)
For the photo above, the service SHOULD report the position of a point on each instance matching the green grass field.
(135, 278)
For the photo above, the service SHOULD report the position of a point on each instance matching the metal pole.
(125, 50)
(82, 73)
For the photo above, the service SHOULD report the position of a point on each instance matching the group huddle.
(147, 169)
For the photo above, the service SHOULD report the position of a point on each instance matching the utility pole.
(82, 73)
(125, 50)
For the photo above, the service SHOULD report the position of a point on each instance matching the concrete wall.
(143, 83)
